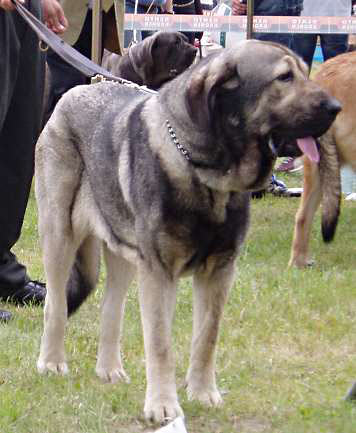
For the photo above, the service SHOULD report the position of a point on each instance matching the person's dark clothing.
(21, 91)
(189, 7)
(277, 8)
(64, 76)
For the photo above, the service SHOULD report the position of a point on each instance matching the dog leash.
(69, 54)
(84, 65)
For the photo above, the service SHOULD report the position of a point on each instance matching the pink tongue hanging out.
(308, 146)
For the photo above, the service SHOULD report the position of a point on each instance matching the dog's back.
(338, 77)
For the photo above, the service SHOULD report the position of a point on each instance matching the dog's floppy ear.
(142, 58)
(204, 84)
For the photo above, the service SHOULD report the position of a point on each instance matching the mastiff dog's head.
(153, 61)
(161, 57)
(244, 105)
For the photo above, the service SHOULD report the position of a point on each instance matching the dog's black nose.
(332, 106)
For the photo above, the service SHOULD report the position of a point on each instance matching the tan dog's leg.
(210, 294)
(119, 276)
(157, 301)
(310, 201)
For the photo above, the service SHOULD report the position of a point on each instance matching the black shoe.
(33, 292)
(5, 316)
(277, 187)
(258, 194)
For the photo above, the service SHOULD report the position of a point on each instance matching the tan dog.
(337, 147)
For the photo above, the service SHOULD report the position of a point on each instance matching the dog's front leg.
(210, 294)
(157, 302)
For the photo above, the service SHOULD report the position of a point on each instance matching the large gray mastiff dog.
(162, 183)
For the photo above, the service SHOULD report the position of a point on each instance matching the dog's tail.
(330, 186)
(84, 274)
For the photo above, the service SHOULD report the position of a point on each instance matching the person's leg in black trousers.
(304, 45)
(21, 78)
(64, 76)
(333, 45)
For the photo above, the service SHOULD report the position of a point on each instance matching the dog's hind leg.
(71, 274)
(157, 293)
(310, 201)
(210, 294)
(119, 276)
(59, 254)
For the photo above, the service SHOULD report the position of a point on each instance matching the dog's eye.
(287, 76)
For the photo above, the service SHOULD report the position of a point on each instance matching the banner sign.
(263, 24)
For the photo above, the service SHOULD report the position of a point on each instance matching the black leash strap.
(68, 53)
(64, 50)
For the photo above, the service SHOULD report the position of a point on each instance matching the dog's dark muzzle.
(326, 113)
(332, 106)
(327, 110)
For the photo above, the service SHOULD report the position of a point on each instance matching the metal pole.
(250, 12)
(97, 32)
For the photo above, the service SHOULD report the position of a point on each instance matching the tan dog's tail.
(330, 186)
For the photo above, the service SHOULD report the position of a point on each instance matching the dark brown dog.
(154, 61)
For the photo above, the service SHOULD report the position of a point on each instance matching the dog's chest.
(209, 229)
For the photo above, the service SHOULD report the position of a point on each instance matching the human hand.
(53, 16)
(167, 7)
(8, 5)
(52, 12)
(238, 8)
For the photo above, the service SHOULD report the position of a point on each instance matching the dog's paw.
(161, 411)
(112, 375)
(54, 367)
(208, 397)
(301, 262)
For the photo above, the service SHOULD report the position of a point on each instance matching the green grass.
(286, 351)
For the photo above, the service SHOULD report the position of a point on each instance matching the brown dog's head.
(161, 57)
(252, 99)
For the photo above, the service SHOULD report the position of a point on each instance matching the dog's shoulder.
(101, 93)
(86, 105)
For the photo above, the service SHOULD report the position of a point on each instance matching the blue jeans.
(285, 39)
(331, 45)
(277, 8)
(130, 9)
